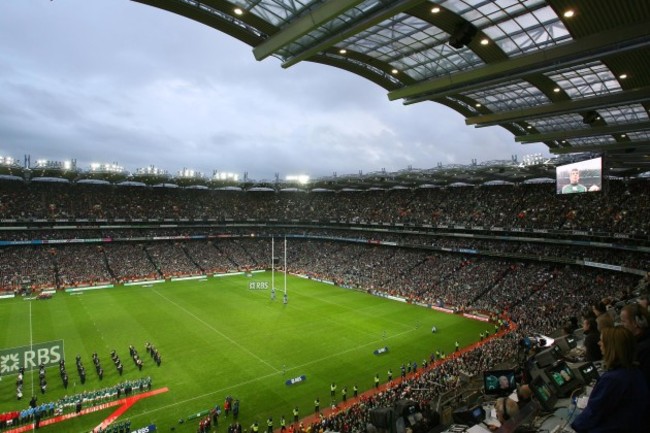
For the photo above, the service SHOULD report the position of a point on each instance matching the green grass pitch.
(217, 338)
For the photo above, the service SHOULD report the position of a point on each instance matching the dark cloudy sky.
(117, 81)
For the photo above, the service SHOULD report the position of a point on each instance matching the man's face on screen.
(574, 177)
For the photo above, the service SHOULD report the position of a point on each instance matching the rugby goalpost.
(273, 264)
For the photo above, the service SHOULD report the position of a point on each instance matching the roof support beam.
(371, 20)
(626, 97)
(586, 132)
(212, 13)
(615, 148)
(580, 51)
(303, 25)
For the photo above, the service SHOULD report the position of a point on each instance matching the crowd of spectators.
(426, 276)
(538, 296)
(206, 257)
(425, 387)
(621, 207)
(26, 267)
(80, 265)
(129, 262)
(556, 296)
(171, 259)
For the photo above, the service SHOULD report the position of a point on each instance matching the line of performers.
(63, 373)
(136, 358)
(19, 383)
(155, 354)
(81, 369)
(117, 361)
(151, 350)
(98, 366)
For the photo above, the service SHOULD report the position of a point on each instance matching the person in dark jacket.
(592, 337)
(620, 400)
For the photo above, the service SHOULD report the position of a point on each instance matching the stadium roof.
(534, 169)
(571, 74)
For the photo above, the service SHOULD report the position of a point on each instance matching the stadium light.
(300, 178)
(532, 159)
(106, 168)
(151, 170)
(225, 176)
(7, 160)
(189, 173)
(59, 165)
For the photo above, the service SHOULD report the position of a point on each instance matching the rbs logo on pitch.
(258, 285)
(30, 357)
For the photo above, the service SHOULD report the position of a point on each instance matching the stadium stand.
(537, 283)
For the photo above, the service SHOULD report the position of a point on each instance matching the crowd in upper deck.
(621, 207)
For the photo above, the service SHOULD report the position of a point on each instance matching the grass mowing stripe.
(251, 381)
(31, 342)
(213, 329)
(325, 332)
(352, 309)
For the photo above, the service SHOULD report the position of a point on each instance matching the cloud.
(107, 81)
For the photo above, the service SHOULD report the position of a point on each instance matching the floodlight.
(300, 178)
(225, 176)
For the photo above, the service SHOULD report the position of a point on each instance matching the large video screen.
(579, 177)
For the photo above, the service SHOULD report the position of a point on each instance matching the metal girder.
(358, 27)
(580, 51)
(586, 132)
(233, 27)
(618, 148)
(626, 97)
(303, 25)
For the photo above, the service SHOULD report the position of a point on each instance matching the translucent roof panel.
(516, 26)
(413, 46)
(591, 79)
(639, 136)
(464, 104)
(565, 122)
(371, 68)
(224, 16)
(516, 94)
(518, 127)
(276, 12)
(586, 141)
(624, 114)
(331, 27)
(389, 40)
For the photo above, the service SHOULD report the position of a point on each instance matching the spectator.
(620, 400)
(635, 319)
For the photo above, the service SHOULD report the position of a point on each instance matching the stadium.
(386, 301)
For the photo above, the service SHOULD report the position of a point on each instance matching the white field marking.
(212, 328)
(101, 334)
(247, 382)
(31, 344)
(351, 308)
